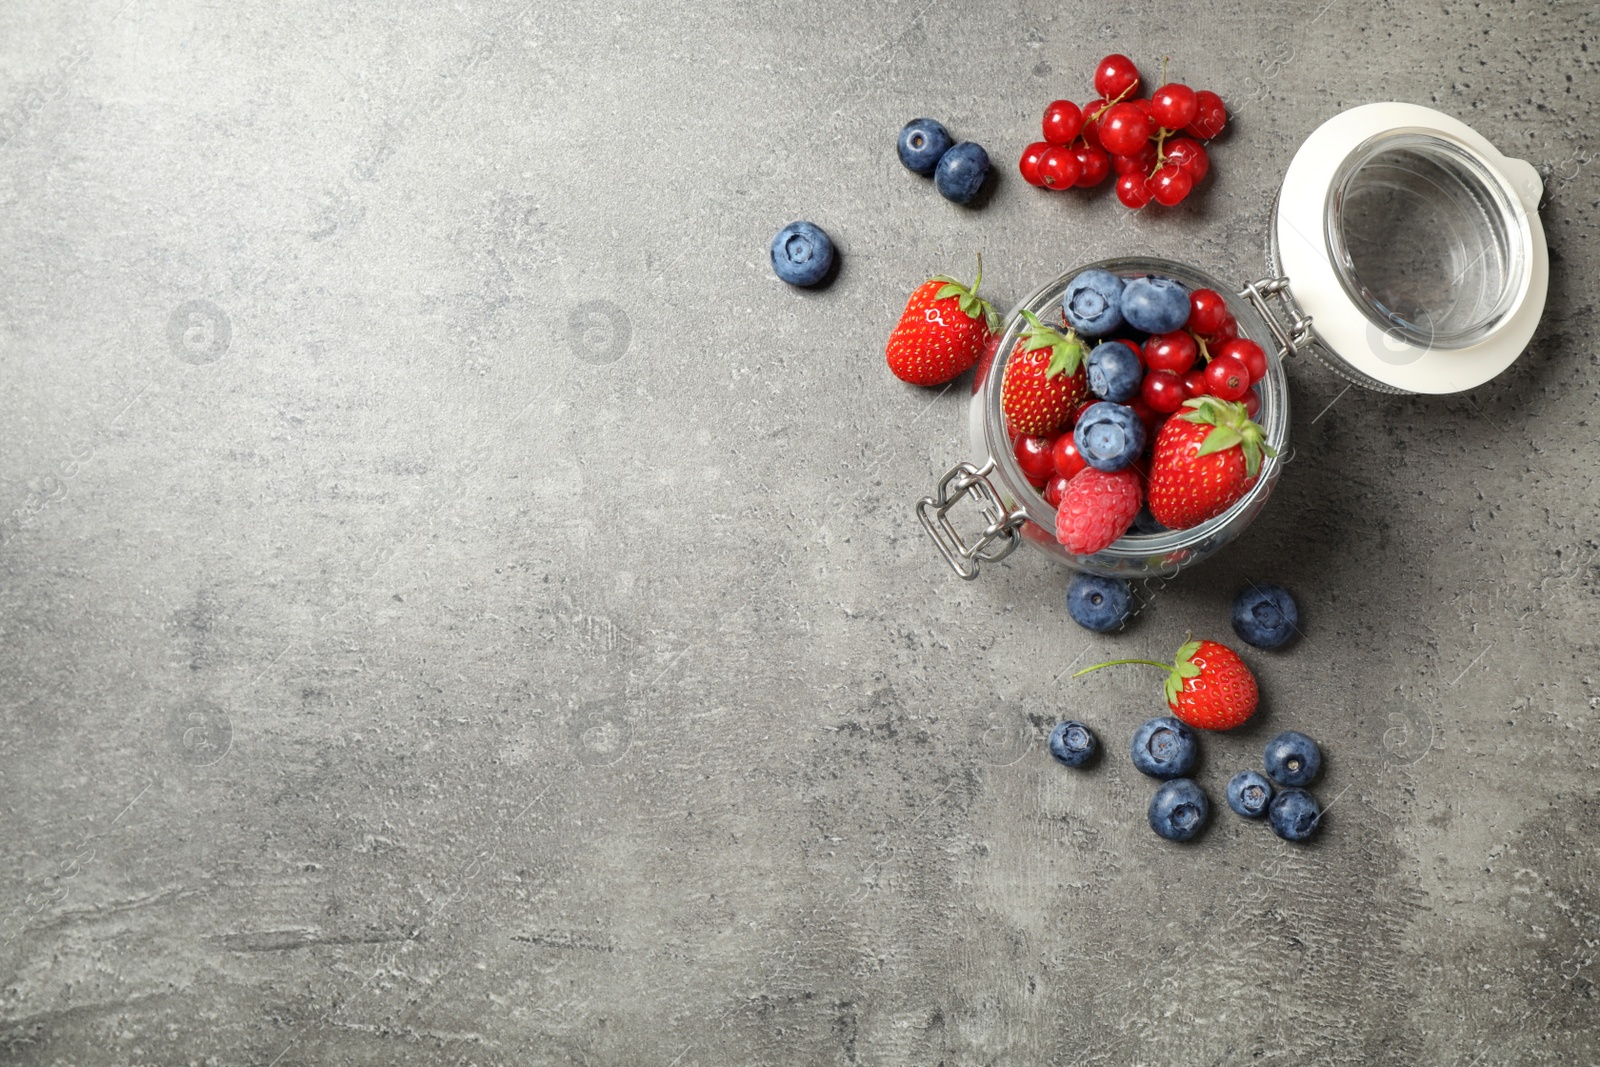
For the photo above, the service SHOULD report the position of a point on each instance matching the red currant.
(1226, 332)
(1149, 112)
(1132, 189)
(1058, 168)
(1207, 309)
(1227, 377)
(1194, 383)
(1174, 352)
(1034, 457)
(1093, 166)
(1066, 458)
(1124, 129)
(1053, 490)
(1062, 121)
(1174, 105)
(1115, 75)
(1189, 155)
(1249, 353)
(1143, 161)
(1252, 404)
(1170, 185)
(1148, 415)
(1210, 115)
(1163, 391)
(1093, 112)
(1029, 163)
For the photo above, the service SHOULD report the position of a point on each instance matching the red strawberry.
(942, 331)
(1208, 686)
(1097, 508)
(1045, 379)
(1204, 459)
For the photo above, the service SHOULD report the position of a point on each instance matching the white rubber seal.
(1349, 334)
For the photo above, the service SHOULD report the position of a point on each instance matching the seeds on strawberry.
(942, 331)
(1044, 378)
(1204, 460)
(1208, 686)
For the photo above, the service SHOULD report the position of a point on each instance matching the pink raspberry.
(1097, 508)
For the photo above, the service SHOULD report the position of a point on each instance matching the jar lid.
(1414, 247)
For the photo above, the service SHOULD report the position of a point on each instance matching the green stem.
(1119, 662)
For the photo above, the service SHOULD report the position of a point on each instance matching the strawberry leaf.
(1186, 653)
(1220, 440)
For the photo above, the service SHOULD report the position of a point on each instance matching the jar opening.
(1425, 239)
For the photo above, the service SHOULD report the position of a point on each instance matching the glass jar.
(1406, 254)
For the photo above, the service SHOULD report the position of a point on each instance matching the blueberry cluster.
(958, 169)
(1167, 749)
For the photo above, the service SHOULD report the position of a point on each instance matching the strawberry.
(1208, 685)
(1045, 379)
(1203, 461)
(942, 331)
(1096, 509)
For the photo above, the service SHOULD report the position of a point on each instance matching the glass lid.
(1414, 247)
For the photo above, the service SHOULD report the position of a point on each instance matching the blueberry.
(1294, 814)
(1155, 305)
(1146, 523)
(802, 254)
(1098, 604)
(1292, 758)
(1073, 743)
(1265, 615)
(1115, 371)
(1108, 436)
(922, 142)
(961, 172)
(1179, 810)
(1249, 794)
(1093, 303)
(1165, 748)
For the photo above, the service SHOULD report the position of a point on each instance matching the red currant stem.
(1205, 353)
(1163, 71)
(1119, 662)
(1107, 106)
(1161, 149)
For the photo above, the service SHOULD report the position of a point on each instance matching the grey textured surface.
(459, 608)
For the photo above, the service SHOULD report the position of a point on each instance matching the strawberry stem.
(1119, 662)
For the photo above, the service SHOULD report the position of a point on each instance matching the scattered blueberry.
(961, 172)
(1093, 303)
(1265, 615)
(1073, 743)
(1249, 794)
(1165, 748)
(1292, 758)
(922, 142)
(1108, 436)
(1099, 604)
(802, 254)
(1179, 810)
(1294, 814)
(1155, 305)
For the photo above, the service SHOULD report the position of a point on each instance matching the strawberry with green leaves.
(943, 330)
(1208, 686)
(1204, 460)
(1045, 379)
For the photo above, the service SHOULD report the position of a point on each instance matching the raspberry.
(1097, 508)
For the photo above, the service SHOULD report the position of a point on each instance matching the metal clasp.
(934, 511)
(1291, 338)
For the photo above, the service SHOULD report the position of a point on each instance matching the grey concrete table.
(458, 607)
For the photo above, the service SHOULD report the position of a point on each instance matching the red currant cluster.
(1143, 141)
